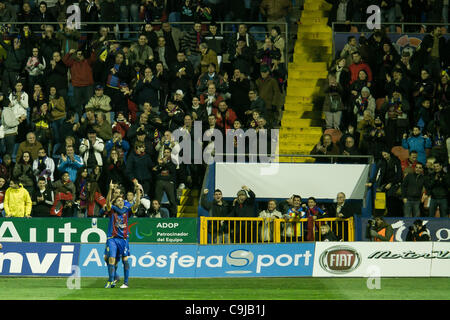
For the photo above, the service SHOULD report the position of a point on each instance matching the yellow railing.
(222, 230)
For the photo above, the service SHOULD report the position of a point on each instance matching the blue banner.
(38, 259)
(193, 261)
(439, 228)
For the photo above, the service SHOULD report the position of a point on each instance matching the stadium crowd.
(82, 108)
(393, 103)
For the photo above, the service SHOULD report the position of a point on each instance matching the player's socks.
(110, 272)
(126, 272)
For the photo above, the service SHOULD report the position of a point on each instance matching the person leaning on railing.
(218, 207)
(244, 207)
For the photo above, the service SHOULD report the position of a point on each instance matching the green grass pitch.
(228, 289)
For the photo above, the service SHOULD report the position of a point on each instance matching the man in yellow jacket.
(17, 200)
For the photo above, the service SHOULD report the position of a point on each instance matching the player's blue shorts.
(117, 248)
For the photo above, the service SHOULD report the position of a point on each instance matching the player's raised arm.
(108, 197)
(137, 187)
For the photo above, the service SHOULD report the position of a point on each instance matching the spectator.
(164, 54)
(412, 189)
(3, 188)
(14, 63)
(139, 164)
(326, 234)
(17, 200)
(23, 170)
(241, 56)
(341, 208)
(182, 72)
(43, 166)
(81, 76)
(357, 66)
(410, 162)
(31, 145)
(333, 105)
(270, 93)
(313, 212)
(239, 86)
(57, 109)
(365, 101)
(99, 102)
(215, 41)
(35, 67)
(94, 200)
(244, 207)
(42, 199)
(141, 52)
(388, 178)
(165, 175)
(350, 47)
(156, 211)
(267, 227)
(70, 162)
(91, 149)
(292, 210)
(268, 53)
(147, 89)
(418, 142)
(190, 45)
(218, 207)
(64, 202)
(326, 146)
(225, 117)
(208, 56)
(396, 110)
(436, 185)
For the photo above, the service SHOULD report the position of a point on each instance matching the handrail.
(252, 231)
(274, 156)
(384, 24)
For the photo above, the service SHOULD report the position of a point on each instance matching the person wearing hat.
(91, 149)
(99, 102)
(418, 232)
(364, 102)
(269, 91)
(244, 207)
(242, 56)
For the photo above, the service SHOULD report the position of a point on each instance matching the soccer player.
(117, 244)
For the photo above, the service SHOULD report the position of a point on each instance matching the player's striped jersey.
(118, 222)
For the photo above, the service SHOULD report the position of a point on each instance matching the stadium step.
(301, 124)
(188, 203)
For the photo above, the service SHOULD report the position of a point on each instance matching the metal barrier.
(224, 230)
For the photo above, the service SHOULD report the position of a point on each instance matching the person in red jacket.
(82, 77)
(357, 66)
(225, 116)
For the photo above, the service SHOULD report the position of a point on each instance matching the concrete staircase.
(188, 207)
(302, 121)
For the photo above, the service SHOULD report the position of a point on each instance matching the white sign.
(391, 259)
(306, 179)
(440, 266)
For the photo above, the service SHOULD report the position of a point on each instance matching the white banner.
(306, 179)
(440, 265)
(375, 259)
